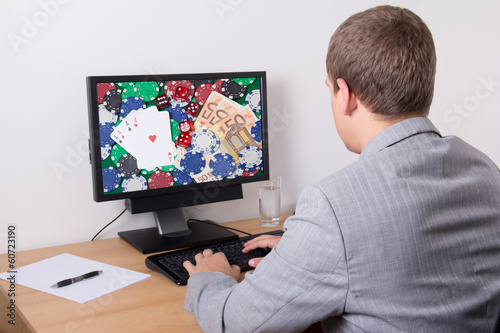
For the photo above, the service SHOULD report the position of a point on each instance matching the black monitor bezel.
(95, 142)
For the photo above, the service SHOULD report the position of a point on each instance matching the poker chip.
(205, 141)
(181, 178)
(105, 116)
(147, 90)
(218, 85)
(233, 90)
(102, 89)
(203, 92)
(127, 88)
(147, 172)
(238, 171)
(112, 100)
(248, 173)
(192, 163)
(110, 179)
(161, 179)
(105, 134)
(168, 168)
(174, 128)
(179, 93)
(127, 166)
(105, 152)
(244, 81)
(177, 113)
(138, 183)
(256, 131)
(250, 158)
(117, 152)
(131, 104)
(222, 165)
(253, 100)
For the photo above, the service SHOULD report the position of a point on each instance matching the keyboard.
(170, 263)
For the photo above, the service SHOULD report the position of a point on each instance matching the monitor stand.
(173, 232)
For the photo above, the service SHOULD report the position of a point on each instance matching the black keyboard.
(170, 263)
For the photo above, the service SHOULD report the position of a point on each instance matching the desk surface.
(151, 305)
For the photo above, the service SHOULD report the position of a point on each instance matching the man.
(405, 239)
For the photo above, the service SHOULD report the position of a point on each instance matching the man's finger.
(188, 266)
(254, 262)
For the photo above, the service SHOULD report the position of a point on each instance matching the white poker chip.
(238, 171)
(250, 158)
(105, 152)
(138, 183)
(106, 117)
(253, 100)
(205, 141)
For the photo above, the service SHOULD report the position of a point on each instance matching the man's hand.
(210, 262)
(264, 241)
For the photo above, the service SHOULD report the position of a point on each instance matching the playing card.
(150, 138)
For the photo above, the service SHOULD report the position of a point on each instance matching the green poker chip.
(176, 131)
(146, 172)
(147, 90)
(127, 88)
(245, 81)
(168, 168)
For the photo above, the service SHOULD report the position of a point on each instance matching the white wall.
(50, 46)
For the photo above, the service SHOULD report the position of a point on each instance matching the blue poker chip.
(204, 141)
(250, 158)
(105, 134)
(256, 131)
(181, 178)
(222, 165)
(177, 113)
(131, 104)
(138, 183)
(253, 100)
(192, 163)
(110, 179)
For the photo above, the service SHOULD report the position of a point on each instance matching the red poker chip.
(161, 179)
(102, 89)
(218, 85)
(172, 89)
(203, 92)
(250, 173)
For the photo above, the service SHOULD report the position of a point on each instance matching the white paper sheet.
(43, 274)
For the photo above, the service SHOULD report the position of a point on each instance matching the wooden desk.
(151, 305)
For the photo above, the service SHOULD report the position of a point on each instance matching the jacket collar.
(398, 132)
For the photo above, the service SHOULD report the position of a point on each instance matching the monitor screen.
(167, 141)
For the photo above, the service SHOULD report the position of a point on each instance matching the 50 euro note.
(216, 108)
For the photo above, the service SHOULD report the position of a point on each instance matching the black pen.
(67, 282)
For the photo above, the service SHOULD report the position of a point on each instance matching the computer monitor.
(164, 142)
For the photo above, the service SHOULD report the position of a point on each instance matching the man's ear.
(349, 101)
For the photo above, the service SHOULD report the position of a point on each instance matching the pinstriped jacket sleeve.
(302, 281)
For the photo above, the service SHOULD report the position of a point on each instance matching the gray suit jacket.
(407, 239)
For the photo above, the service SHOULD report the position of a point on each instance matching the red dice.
(181, 92)
(186, 126)
(184, 140)
(192, 108)
(162, 101)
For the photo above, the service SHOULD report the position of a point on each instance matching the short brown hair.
(387, 57)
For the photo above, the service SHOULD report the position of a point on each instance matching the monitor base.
(149, 240)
